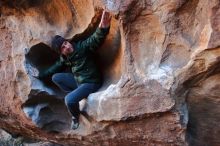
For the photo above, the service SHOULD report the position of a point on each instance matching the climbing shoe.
(75, 123)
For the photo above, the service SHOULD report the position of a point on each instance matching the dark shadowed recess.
(23, 4)
(41, 56)
(47, 111)
(203, 127)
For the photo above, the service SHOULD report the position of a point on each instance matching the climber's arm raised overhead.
(95, 40)
(105, 20)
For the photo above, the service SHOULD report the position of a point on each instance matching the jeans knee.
(55, 78)
(69, 101)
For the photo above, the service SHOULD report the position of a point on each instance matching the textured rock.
(47, 112)
(128, 99)
(159, 58)
(204, 112)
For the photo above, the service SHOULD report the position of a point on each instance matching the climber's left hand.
(105, 20)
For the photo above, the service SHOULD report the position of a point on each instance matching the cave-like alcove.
(45, 103)
(41, 56)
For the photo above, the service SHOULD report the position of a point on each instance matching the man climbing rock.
(85, 77)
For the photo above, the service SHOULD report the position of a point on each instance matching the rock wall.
(160, 64)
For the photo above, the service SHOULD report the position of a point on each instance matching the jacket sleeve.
(95, 40)
(52, 69)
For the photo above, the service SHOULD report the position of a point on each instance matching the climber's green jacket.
(81, 60)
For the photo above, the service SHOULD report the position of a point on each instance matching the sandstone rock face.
(160, 64)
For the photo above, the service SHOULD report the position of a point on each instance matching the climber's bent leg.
(65, 81)
(72, 99)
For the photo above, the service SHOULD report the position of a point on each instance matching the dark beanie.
(57, 42)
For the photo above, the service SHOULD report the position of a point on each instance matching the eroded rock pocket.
(45, 105)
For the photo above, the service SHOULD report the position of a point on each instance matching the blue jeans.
(67, 83)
